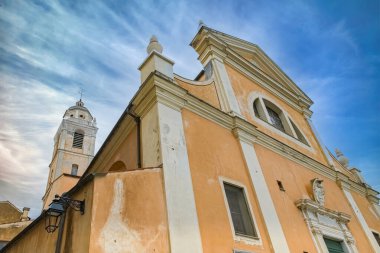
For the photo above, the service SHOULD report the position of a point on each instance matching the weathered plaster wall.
(206, 93)
(60, 185)
(36, 240)
(69, 159)
(368, 211)
(9, 231)
(9, 213)
(150, 140)
(127, 151)
(242, 87)
(296, 181)
(129, 213)
(213, 153)
(77, 226)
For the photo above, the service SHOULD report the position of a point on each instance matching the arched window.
(258, 109)
(299, 136)
(271, 113)
(74, 169)
(275, 119)
(78, 139)
(118, 166)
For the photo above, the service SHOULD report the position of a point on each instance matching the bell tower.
(74, 147)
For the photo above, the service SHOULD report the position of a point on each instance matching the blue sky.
(50, 49)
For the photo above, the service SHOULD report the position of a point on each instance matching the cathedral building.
(228, 162)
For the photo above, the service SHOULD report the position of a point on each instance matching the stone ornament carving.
(318, 191)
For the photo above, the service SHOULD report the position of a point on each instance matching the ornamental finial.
(341, 158)
(200, 24)
(154, 45)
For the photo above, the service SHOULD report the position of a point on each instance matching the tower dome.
(78, 111)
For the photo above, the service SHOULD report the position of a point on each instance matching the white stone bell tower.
(74, 147)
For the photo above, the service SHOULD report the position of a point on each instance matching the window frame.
(72, 168)
(378, 234)
(263, 119)
(79, 132)
(239, 237)
(336, 238)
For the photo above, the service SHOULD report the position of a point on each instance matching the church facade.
(228, 162)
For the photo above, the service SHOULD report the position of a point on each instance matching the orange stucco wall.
(296, 181)
(206, 93)
(130, 214)
(242, 87)
(62, 184)
(214, 153)
(124, 212)
(367, 209)
(127, 152)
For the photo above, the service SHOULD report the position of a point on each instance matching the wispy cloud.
(50, 49)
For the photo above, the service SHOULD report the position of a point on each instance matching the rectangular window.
(333, 246)
(74, 170)
(78, 140)
(240, 215)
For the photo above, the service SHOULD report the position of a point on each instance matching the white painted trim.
(192, 82)
(272, 222)
(323, 222)
(361, 219)
(321, 144)
(239, 238)
(181, 210)
(225, 91)
(256, 94)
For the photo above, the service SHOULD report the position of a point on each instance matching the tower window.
(78, 139)
(240, 215)
(74, 170)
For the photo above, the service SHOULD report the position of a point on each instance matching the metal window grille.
(275, 119)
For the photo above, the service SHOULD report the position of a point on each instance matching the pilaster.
(346, 190)
(272, 222)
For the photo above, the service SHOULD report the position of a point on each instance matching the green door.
(334, 246)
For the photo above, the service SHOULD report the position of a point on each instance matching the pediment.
(254, 56)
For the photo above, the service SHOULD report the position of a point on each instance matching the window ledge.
(248, 240)
(283, 134)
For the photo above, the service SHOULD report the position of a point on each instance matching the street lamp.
(57, 207)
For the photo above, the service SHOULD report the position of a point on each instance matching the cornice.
(158, 88)
(209, 46)
(193, 82)
(309, 205)
(178, 98)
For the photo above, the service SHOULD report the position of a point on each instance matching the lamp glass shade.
(53, 216)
